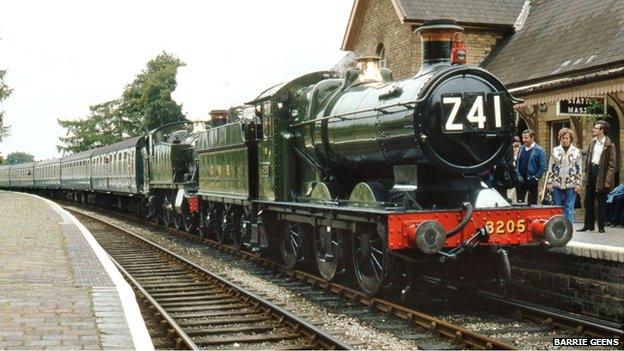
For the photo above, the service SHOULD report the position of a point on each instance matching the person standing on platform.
(565, 173)
(516, 150)
(530, 167)
(600, 175)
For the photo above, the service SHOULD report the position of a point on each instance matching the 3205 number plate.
(506, 227)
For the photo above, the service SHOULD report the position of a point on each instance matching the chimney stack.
(218, 117)
(442, 43)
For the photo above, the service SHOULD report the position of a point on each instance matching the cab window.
(267, 122)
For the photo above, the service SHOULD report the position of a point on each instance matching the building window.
(381, 52)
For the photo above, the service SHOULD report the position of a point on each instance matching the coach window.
(127, 162)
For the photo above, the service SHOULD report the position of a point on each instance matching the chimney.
(370, 68)
(367, 69)
(442, 43)
(218, 117)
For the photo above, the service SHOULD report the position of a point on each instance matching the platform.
(605, 246)
(58, 288)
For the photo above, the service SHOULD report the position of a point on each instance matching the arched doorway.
(521, 126)
(614, 135)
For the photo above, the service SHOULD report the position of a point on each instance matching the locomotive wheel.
(293, 241)
(189, 220)
(167, 212)
(235, 219)
(328, 248)
(369, 254)
(207, 220)
(222, 229)
(215, 222)
(245, 228)
(176, 220)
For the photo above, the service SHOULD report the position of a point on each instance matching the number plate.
(471, 112)
(506, 227)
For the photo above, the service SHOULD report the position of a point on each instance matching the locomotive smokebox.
(442, 44)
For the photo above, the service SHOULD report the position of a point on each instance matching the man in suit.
(600, 176)
(530, 167)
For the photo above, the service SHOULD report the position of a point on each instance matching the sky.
(63, 56)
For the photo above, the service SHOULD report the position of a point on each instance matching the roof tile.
(561, 36)
(499, 12)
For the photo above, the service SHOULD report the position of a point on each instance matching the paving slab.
(58, 288)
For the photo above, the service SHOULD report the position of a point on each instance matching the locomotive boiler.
(428, 135)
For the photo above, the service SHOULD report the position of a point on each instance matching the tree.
(103, 126)
(147, 102)
(15, 158)
(5, 91)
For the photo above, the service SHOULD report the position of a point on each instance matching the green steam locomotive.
(359, 173)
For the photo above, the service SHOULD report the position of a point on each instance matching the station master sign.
(582, 106)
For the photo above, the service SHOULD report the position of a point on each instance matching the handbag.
(547, 198)
(546, 195)
(577, 201)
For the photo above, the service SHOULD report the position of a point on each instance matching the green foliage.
(5, 92)
(15, 158)
(1, 159)
(145, 104)
(594, 112)
(103, 126)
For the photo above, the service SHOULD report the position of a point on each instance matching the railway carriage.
(48, 174)
(22, 176)
(114, 168)
(76, 173)
(4, 176)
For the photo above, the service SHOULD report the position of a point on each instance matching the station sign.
(580, 106)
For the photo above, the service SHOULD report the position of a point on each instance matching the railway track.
(579, 325)
(546, 323)
(431, 326)
(199, 310)
(567, 324)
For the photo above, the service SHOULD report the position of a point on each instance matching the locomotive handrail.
(407, 105)
(443, 74)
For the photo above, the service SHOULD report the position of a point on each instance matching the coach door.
(266, 152)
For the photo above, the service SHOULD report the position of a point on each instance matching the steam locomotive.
(360, 175)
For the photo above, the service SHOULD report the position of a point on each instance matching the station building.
(564, 58)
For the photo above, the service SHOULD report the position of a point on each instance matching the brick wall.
(381, 25)
(583, 285)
